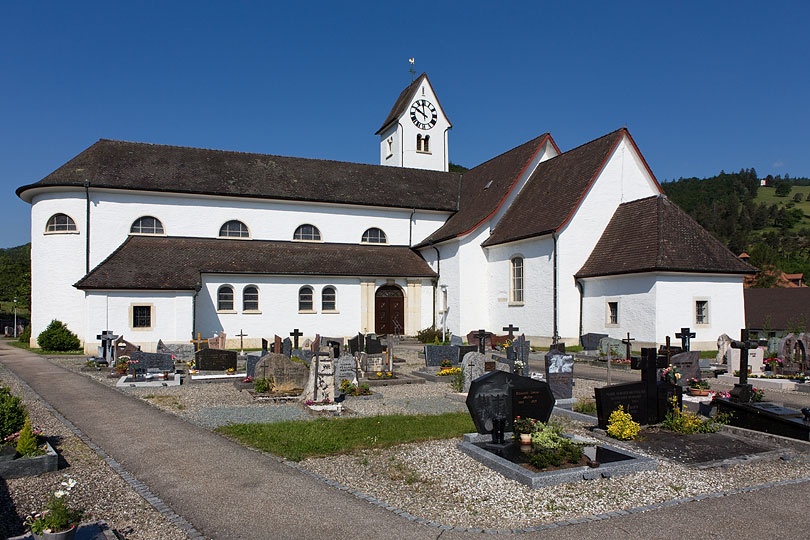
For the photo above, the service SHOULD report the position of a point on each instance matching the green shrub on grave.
(58, 337)
(27, 443)
(12, 413)
(432, 336)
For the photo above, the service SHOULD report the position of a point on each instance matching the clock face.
(423, 114)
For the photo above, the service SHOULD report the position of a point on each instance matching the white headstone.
(755, 358)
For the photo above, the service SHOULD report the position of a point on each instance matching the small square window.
(141, 316)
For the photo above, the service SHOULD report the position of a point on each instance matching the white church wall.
(447, 313)
(473, 283)
(534, 315)
(622, 179)
(676, 297)
(278, 308)
(171, 317)
(57, 261)
(390, 150)
(428, 292)
(635, 295)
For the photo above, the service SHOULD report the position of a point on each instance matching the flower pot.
(525, 438)
(63, 535)
(698, 392)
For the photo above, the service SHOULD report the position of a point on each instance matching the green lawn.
(296, 440)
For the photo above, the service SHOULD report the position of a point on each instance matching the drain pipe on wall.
(197, 289)
(410, 227)
(581, 287)
(436, 280)
(555, 335)
(87, 228)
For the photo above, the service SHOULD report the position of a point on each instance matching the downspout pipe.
(436, 280)
(197, 289)
(87, 228)
(555, 336)
(581, 287)
(410, 227)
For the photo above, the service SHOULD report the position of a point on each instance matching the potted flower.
(772, 363)
(446, 363)
(58, 521)
(670, 374)
(523, 429)
(121, 366)
(230, 371)
(698, 387)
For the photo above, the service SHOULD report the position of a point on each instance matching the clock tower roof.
(404, 100)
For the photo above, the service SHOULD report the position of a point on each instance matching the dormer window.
(234, 229)
(60, 223)
(146, 225)
(374, 236)
(307, 233)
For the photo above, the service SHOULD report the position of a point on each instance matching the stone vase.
(63, 535)
(525, 438)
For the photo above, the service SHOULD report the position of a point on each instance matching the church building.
(161, 242)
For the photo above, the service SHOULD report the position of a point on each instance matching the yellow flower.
(379, 374)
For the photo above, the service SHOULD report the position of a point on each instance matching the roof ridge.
(542, 136)
(606, 135)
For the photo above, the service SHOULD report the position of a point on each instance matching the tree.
(783, 189)
(797, 197)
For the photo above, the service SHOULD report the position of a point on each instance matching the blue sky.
(702, 86)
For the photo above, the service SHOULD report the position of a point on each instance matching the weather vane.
(413, 72)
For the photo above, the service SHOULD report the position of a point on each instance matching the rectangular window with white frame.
(516, 281)
(141, 317)
(702, 311)
(612, 313)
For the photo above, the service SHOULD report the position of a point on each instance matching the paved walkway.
(228, 492)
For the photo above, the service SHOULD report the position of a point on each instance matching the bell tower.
(415, 132)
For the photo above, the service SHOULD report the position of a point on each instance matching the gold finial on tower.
(413, 72)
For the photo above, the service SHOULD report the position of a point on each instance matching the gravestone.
(183, 352)
(152, 361)
(286, 347)
(590, 341)
(124, 348)
(251, 361)
(295, 334)
(303, 354)
(372, 363)
(264, 347)
(612, 345)
(277, 344)
(464, 349)
(688, 364)
(560, 374)
(217, 341)
(502, 394)
(336, 344)
(373, 345)
(435, 354)
(215, 359)
(286, 374)
(498, 341)
(723, 347)
(522, 350)
(357, 344)
(475, 365)
(107, 348)
(755, 360)
(321, 383)
(456, 340)
(479, 338)
(345, 369)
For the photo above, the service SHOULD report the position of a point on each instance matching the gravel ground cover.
(99, 490)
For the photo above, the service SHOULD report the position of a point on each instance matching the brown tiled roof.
(554, 191)
(484, 188)
(176, 169)
(402, 102)
(175, 263)
(776, 308)
(653, 234)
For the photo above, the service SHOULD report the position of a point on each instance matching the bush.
(27, 442)
(585, 406)
(683, 421)
(432, 335)
(457, 382)
(12, 413)
(25, 336)
(566, 451)
(57, 337)
(263, 385)
(622, 426)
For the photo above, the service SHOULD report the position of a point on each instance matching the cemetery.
(565, 465)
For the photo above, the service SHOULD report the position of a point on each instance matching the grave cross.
(198, 341)
(482, 336)
(668, 349)
(241, 335)
(743, 391)
(511, 329)
(295, 334)
(627, 341)
(685, 335)
(107, 338)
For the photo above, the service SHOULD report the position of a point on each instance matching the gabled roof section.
(654, 235)
(554, 191)
(404, 100)
(485, 188)
(177, 169)
(175, 263)
(776, 308)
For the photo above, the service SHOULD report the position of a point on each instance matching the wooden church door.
(389, 310)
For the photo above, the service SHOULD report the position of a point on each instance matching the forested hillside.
(15, 275)
(770, 223)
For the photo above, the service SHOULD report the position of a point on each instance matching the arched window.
(234, 229)
(60, 223)
(308, 233)
(374, 236)
(426, 144)
(250, 298)
(305, 299)
(419, 143)
(328, 299)
(225, 298)
(516, 285)
(146, 225)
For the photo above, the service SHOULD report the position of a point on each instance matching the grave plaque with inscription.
(505, 394)
(688, 364)
(215, 359)
(560, 374)
(631, 396)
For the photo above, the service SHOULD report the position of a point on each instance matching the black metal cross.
(627, 341)
(743, 391)
(685, 335)
(295, 335)
(241, 335)
(511, 329)
(482, 336)
(106, 337)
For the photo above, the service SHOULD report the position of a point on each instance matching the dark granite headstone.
(505, 394)
(373, 345)
(590, 341)
(765, 417)
(286, 374)
(303, 354)
(522, 350)
(336, 344)
(435, 354)
(344, 369)
(464, 349)
(286, 347)
(215, 359)
(456, 340)
(264, 347)
(152, 361)
(253, 359)
(356, 344)
(560, 374)
(688, 364)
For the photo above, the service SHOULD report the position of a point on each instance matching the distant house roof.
(404, 100)
(485, 187)
(554, 191)
(653, 234)
(178, 169)
(777, 309)
(175, 263)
